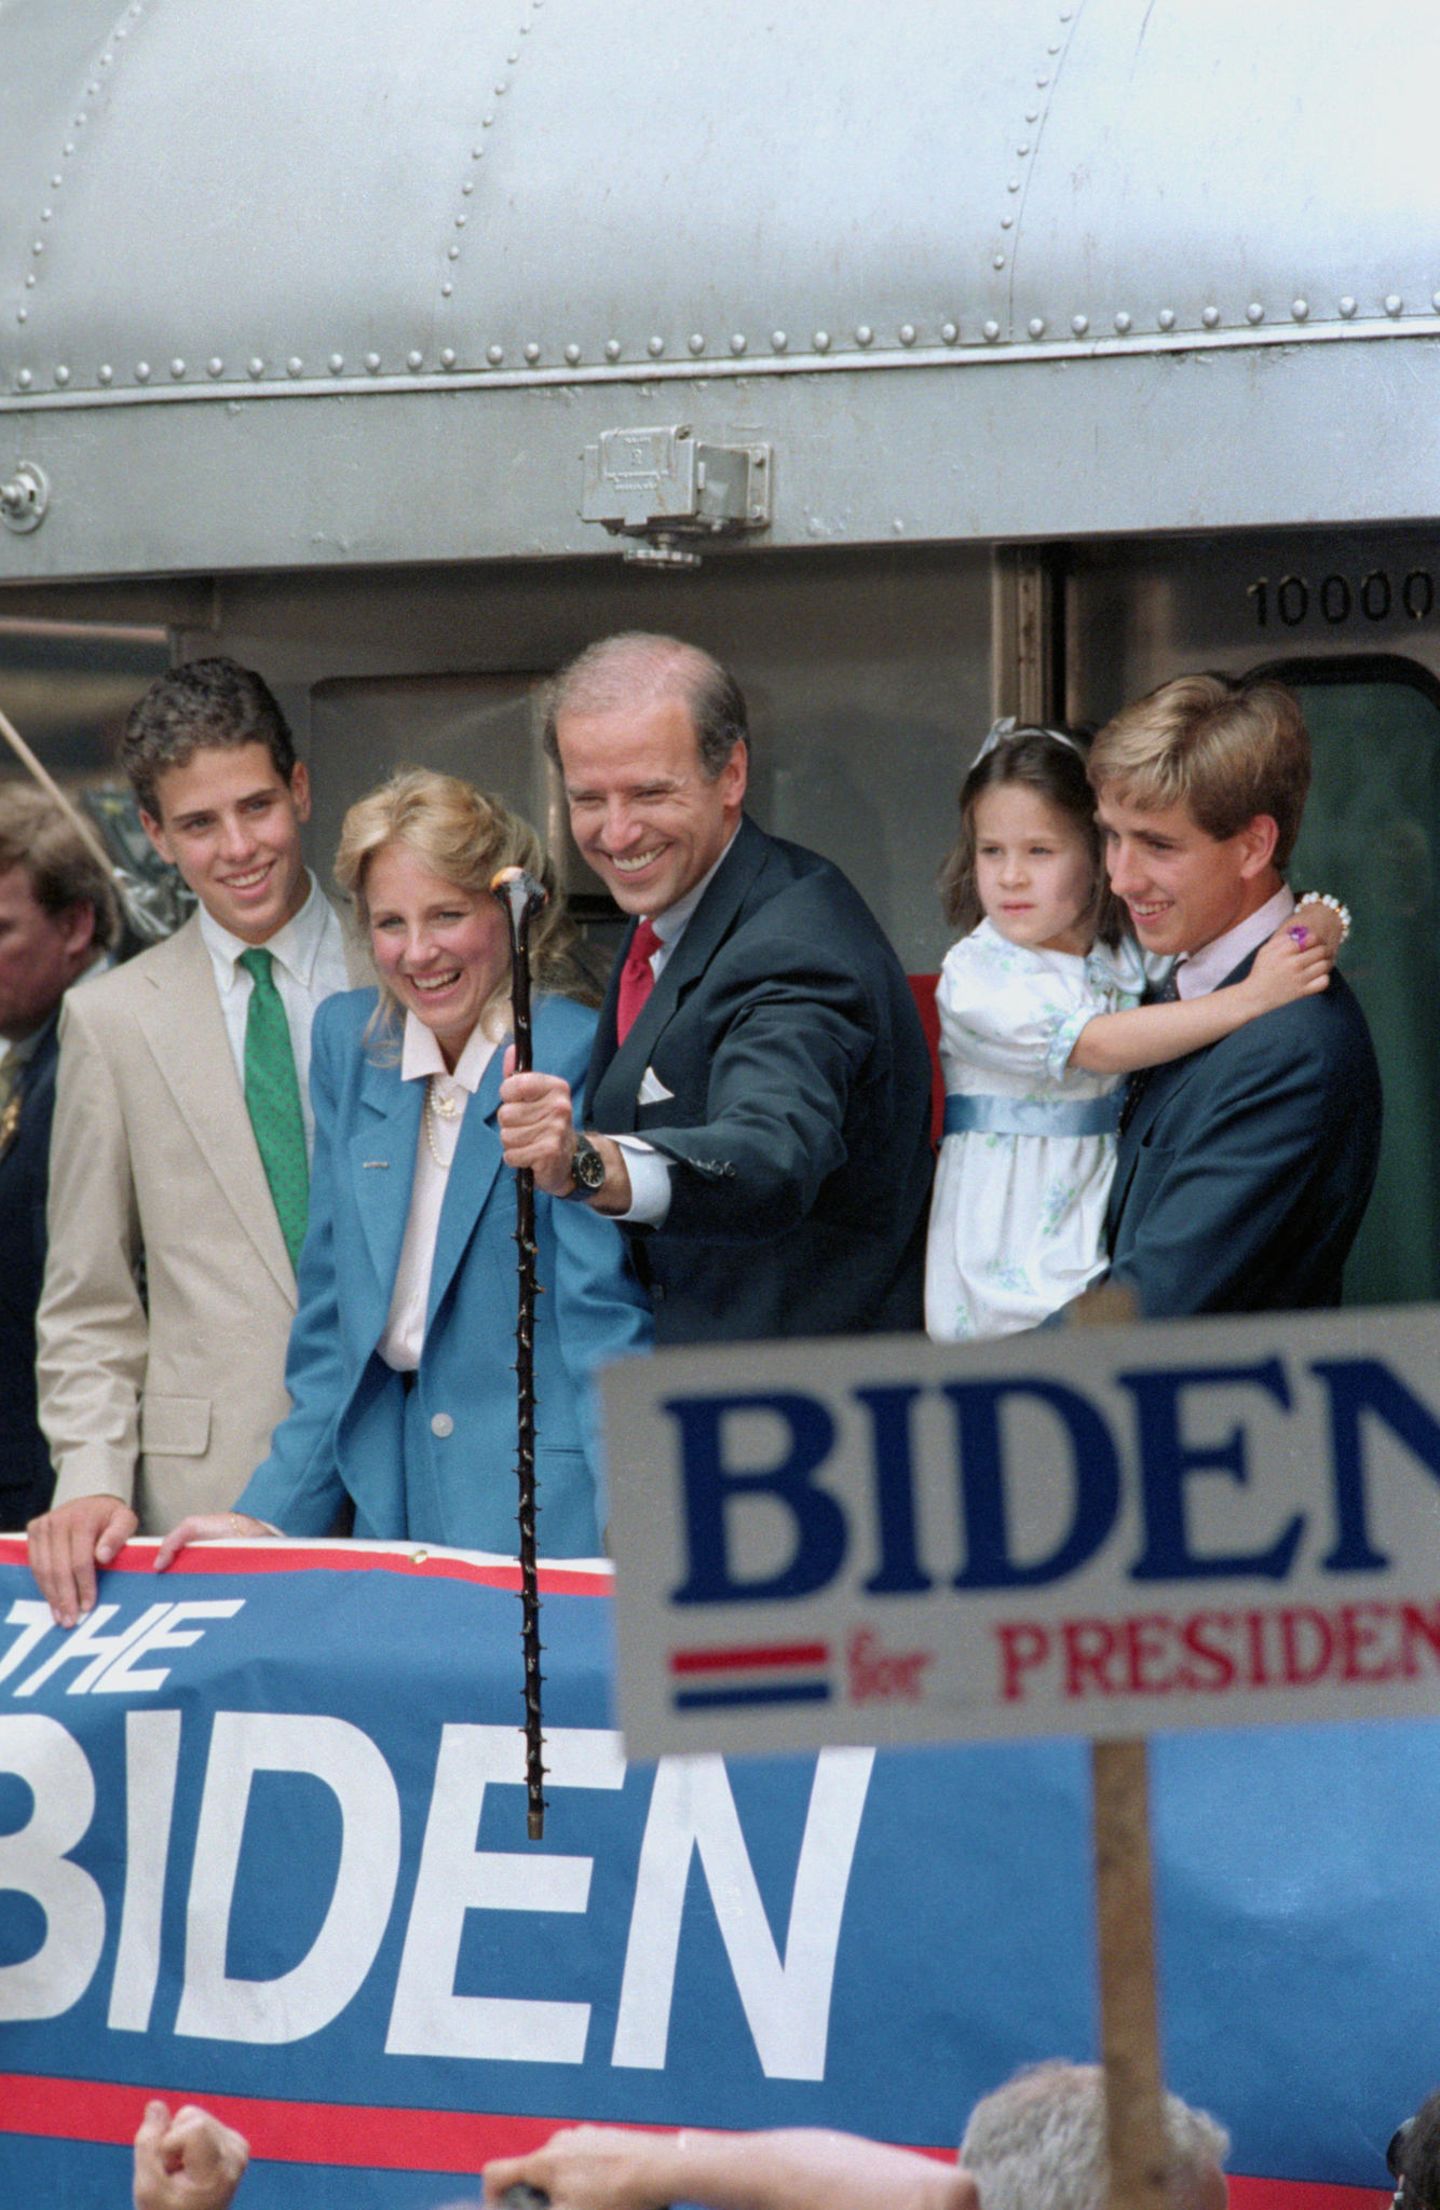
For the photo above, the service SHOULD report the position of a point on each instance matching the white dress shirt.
(648, 1169)
(421, 1060)
(308, 966)
(1198, 973)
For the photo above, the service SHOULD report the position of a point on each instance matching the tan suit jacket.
(165, 1398)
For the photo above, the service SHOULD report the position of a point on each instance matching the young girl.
(1038, 1025)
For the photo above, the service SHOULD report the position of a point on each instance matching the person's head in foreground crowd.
(1199, 790)
(1414, 2158)
(1038, 2143)
(221, 794)
(57, 909)
(652, 738)
(417, 857)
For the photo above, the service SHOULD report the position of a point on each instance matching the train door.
(1349, 620)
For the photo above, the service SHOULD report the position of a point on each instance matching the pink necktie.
(637, 979)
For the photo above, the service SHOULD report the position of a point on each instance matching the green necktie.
(272, 1099)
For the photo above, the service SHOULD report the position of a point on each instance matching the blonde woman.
(401, 1361)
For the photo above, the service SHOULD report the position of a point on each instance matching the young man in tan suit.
(179, 1164)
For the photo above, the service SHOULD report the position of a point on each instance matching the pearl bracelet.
(1323, 897)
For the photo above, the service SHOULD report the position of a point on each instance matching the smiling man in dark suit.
(1243, 1170)
(759, 1093)
(57, 919)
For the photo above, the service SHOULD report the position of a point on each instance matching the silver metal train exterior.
(924, 361)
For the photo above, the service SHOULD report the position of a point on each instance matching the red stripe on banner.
(774, 1653)
(427, 2140)
(418, 1564)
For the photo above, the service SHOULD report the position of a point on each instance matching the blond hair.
(1224, 750)
(465, 836)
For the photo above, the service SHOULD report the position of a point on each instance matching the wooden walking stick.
(522, 897)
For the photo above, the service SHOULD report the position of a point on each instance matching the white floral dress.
(1018, 1216)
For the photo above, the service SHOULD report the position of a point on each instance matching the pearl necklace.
(438, 1108)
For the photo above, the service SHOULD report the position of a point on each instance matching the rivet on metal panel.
(1032, 114)
(1022, 149)
(1166, 318)
(822, 341)
(907, 333)
(1300, 309)
(1122, 322)
(477, 153)
(1435, 301)
(69, 147)
(487, 119)
(992, 331)
(215, 366)
(1037, 326)
(998, 262)
(452, 253)
(1394, 304)
(107, 373)
(1007, 222)
(1209, 316)
(513, 58)
(372, 362)
(1079, 324)
(468, 186)
(949, 331)
(337, 363)
(460, 221)
(39, 246)
(1347, 306)
(655, 347)
(1255, 312)
(177, 368)
(24, 379)
(696, 341)
(447, 289)
(572, 354)
(294, 366)
(1013, 185)
(1040, 83)
(81, 121)
(142, 372)
(779, 339)
(92, 92)
(414, 359)
(22, 314)
(255, 365)
(447, 356)
(612, 349)
(62, 374)
(30, 282)
(1053, 49)
(898, 526)
(56, 182)
(47, 214)
(738, 342)
(501, 89)
(494, 354)
(532, 352)
(864, 335)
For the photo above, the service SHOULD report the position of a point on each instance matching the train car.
(924, 361)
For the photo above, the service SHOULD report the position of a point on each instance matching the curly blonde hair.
(465, 836)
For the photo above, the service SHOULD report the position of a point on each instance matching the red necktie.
(637, 979)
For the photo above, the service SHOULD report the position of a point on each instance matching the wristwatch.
(587, 1168)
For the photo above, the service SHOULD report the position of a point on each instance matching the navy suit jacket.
(347, 1429)
(788, 1078)
(26, 1475)
(1244, 1169)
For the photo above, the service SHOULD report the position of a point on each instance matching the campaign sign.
(262, 1845)
(1100, 1532)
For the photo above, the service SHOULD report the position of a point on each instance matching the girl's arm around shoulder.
(1284, 970)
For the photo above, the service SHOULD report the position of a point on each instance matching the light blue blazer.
(439, 1466)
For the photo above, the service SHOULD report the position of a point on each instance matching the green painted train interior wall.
(1370, 837)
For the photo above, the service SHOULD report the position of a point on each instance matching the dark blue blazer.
(1244, 1170)
(26, 1476)
(347, 1429)
(788, 1078)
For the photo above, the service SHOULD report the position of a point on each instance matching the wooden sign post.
(1129, 2011)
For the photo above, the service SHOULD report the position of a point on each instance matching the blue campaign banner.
(262, 1845)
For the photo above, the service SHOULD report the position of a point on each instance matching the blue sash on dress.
(1019, 1116)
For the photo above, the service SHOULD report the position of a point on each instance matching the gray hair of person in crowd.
(63, 871)
(635, 668)
(1038, 2143)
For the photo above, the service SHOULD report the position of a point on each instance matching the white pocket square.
(652, 1090)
